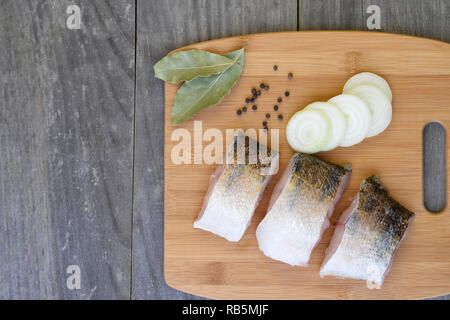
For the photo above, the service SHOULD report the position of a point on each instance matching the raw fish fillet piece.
(236, 188)
(367, 235)
(300, 207)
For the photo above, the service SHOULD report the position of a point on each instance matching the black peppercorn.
(262, 85)
(280, 117)
(266, 88)
(275, 107)
(254, 91)
(286, 93)
(279, 99)
(254, 107)
(275, 67)
(258, 92)
(247, 100)
(264, 123)
(239, 112)
(244, 109)
(290, 75)
(252, 100)
(267, 115)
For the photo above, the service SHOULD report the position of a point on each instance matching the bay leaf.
(202, 92)
(187, 65)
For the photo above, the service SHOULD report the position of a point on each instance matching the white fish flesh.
(300, 207)
(236, 188)
(367, 236)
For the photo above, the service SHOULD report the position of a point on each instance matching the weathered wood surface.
(434, 164)
(430, 18)
(163, 26)
(66, 128)
(66, 135)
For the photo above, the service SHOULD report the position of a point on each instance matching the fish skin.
(373, 233)
(231, 201)
(317, 175)
(296, 218)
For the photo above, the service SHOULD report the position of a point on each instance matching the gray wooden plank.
(331, 15)
(429, 19)
(66, 135)
(161, 27)
(434, 167)
(434, 175)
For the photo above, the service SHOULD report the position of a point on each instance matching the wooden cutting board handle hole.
(434, 167)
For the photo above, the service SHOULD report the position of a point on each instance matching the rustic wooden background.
(81, 129)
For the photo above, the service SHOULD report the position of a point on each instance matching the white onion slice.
(338, 123)
(368, 78)
(358, 118)
(379, 105)
(308, 131)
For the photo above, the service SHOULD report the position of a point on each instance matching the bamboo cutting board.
(418, 71)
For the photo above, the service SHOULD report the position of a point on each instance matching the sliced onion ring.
(368, 78)
(358, 118)
(338, 123)
(308, 131)
(379, 105)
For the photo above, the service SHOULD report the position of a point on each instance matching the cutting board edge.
(190, 288)
(228, 294)
(334, 32)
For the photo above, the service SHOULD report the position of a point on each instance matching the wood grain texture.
(419, 74)
(161, 27)
(66, 115)
(434, 167)
(430, 19)
(331, 15)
